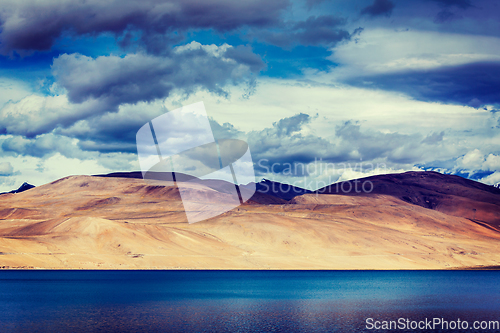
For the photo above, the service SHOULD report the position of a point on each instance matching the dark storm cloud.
(285, 143)
(444, 16)
(433, 138)
(287, 126)
(100, 85)
(113, 132)
(244, 55)
(108, 146)
(225, 130)
(311, 3)
(378, 8)
(114, 80)
(29, 25)
(109, 133)
(282, 142)
(320, 30)
(447, 14)
(370, 145)
(315, 30)
(116, 132)
(473, 84)
(464, 4)
(139, 77)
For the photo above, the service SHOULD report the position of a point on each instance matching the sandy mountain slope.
(449, 194)
(125, 223)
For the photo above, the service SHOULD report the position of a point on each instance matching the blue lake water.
(244, 301)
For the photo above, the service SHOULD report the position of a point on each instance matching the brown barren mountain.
(449, 194)
(89, 222)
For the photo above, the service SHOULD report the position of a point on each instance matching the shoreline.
(474, 268)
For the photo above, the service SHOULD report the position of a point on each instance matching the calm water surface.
(241, 301)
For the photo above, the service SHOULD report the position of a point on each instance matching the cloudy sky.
(402, 85)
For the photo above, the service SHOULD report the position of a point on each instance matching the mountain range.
(413, 220)
(24, 187)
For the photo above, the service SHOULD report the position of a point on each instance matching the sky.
(321, 90)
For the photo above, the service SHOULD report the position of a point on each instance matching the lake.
(247, 301)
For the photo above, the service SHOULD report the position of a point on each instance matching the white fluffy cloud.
(35, 114)
(380, 51)
(13, 90)
(475, 161)
(492, 179)
(6, 169)
(492, 163)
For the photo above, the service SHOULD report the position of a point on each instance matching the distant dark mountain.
(22, 188)
(133, 174)
(450, 194)
(282, 192)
